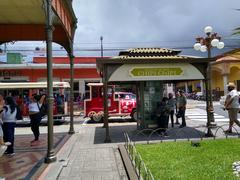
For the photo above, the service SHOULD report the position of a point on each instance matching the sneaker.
(10, 154)
(181, 126)
(177, 123)
(34, 143)
(7, 143)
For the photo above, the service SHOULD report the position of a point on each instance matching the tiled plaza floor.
(28, 159)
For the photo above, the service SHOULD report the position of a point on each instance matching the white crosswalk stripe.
(197, 114)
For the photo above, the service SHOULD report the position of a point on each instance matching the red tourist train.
(121, 104)
(21, 91)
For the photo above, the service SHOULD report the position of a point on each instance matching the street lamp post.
(204, 44)
(101, 39)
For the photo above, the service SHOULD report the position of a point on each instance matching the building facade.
(84, 72)
(225, 69)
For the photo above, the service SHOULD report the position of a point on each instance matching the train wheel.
(91, 114)
(134, 115)
(98, 117)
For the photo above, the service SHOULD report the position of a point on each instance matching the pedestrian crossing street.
(197, 114)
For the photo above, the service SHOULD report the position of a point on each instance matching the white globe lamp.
(208, 29)
(203, 48)
(215, 42)
(220, 45)
(197, 46)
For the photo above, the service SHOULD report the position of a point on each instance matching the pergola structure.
(140, 65)
(42, 20)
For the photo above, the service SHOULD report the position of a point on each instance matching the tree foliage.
(236, 31)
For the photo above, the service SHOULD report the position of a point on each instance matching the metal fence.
(186, 133)
(141, 170)
(155, 135)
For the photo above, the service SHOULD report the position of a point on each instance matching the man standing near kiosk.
(181, 105)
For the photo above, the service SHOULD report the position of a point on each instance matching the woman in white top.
(35, 116)
(9, 123)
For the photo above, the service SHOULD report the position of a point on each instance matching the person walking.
(9, 117)
(181, 105)
(172, 105)
(35, 117)
(232, 106)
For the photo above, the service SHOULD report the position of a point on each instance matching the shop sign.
(141, 72)
(9, 73)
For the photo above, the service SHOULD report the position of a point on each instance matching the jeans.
(8, 135)
(35, 120)
(182, 112)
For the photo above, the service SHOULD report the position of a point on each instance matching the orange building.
(84, 72)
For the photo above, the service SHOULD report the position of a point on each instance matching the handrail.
(141, 170)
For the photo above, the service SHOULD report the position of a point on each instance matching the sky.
(152, 23)
(125, 24)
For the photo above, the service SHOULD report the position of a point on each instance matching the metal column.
(71, 129)
(105, 100)
(51, 157)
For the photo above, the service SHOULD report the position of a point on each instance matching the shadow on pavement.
(117, 133)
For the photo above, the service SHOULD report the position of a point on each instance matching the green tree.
(236, 31)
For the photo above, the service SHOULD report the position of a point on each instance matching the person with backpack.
(35, 116)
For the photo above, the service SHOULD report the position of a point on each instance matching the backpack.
(19, 114)
(43, 109)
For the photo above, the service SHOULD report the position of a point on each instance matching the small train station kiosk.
(149, 69)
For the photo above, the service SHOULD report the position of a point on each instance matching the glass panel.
(153, 93)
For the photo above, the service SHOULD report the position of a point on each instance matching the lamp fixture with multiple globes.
(204, 44)
(211, 40)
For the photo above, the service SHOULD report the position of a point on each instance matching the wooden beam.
(64, 16)
(33, 32)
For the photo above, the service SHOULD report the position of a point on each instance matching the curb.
(131, 173)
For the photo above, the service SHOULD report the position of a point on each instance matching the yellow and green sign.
(137, 72)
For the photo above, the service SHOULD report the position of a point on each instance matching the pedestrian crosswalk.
(197, 114)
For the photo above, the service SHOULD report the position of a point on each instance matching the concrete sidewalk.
(86, 157)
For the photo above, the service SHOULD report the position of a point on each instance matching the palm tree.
(236, 31)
